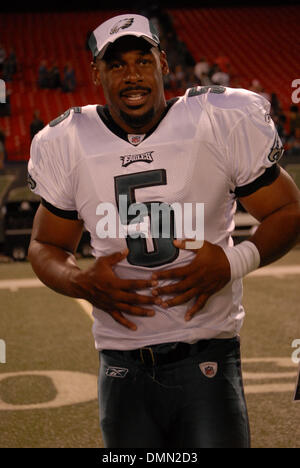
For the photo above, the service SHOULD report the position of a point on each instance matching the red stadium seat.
(261, 42)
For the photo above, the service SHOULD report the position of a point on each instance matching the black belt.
(157, 355)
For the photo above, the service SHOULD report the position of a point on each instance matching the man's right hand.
(106, 291)
(54, 241)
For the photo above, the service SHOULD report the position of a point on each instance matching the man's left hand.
(207, 274)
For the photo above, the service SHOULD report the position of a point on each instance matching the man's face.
(131, 75)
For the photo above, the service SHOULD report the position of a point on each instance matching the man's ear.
(164, 63)
(95, 74)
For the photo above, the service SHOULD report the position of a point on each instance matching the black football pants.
(175, 405)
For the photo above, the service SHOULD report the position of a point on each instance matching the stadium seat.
(261, 43)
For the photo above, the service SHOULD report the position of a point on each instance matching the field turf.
(48, 385)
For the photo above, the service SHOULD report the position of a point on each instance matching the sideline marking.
(277, 271)
(268, 375)
(72, 388)
(269, 388)
(279, 361)
(87, 307)
(15, 284)
(278, 387)
(79, 387)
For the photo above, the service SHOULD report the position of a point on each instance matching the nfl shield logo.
(135, 139)
(209, 369)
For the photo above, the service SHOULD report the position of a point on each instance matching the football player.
(167, 310)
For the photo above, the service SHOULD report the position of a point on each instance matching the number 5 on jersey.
(159, 249)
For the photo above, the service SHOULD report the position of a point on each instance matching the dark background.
(115, 4)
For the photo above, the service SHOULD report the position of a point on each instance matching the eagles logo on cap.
(123, 24)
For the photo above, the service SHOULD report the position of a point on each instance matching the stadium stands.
(261, 43)
(56, 37)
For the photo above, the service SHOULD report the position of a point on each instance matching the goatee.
(137, 122)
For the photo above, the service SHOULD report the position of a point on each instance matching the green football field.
(48, 385)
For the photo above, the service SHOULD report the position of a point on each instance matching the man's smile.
(135, 96)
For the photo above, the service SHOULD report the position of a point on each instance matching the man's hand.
(54, 241)
(204, 276)
(105, 290)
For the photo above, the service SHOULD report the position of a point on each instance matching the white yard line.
(250, 388)
(86, 306)
(15, 284)
(270, 388)
(277, 271)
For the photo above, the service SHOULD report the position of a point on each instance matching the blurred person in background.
(220, 77)
(9, 66)
(2, 149)
(37, 124)
(276, 107)
(54, 80)
(179, 75)
(190, 79)
(201, 67)
(293, 143)
(294, 117)
(257, 87)
(5, 108)
(2, 157)
(205, 80)
(2, 56)
(280, 122)
(69, 80)
(43, 75)
(223, 62)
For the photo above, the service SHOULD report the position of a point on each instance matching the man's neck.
(138, 126)
(131, 136)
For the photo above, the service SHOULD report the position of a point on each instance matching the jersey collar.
(133, 139)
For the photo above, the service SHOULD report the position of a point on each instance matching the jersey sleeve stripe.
(67, 214)
(267, 178)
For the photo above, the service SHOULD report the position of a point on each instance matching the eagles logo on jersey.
(31, 182)
(277, 150)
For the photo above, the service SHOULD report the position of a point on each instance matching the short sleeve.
(49, 172)
(254, 148)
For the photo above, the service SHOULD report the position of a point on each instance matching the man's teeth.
(136, 97)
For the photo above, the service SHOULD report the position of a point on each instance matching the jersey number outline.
(163, 249)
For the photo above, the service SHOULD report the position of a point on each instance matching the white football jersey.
(211, 146)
